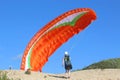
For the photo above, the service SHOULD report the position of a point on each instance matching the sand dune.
(95, 74)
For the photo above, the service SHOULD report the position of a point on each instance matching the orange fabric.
(46, 46)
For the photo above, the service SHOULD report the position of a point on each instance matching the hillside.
(103, 70)
(93, 74)
(105, 64)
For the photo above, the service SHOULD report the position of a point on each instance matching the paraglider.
(48, 39)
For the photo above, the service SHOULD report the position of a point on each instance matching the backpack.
(67, 61)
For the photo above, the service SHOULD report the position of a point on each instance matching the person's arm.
(63, 62)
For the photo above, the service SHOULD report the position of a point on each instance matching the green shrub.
(3, 76)
(28, 71)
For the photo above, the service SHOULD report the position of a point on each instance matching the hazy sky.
(21, 19)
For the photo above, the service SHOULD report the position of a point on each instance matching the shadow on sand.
(58, 76)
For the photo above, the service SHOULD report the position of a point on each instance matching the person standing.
(67, 64)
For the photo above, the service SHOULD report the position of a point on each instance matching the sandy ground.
(95, 74)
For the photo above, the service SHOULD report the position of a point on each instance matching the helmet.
(66, 53)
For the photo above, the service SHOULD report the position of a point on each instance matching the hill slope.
(105, 64)
(93, 74)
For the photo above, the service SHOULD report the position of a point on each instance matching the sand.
(93, 74)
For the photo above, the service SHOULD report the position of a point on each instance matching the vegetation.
(3, 76)
(28, 71)
(105, 64)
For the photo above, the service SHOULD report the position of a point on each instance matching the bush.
(28, 71)
(3, 76)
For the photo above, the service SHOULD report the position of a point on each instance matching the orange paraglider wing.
(53, 35)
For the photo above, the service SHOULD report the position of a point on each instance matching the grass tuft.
(3, 76)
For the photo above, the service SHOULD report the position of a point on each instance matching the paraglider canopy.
(48, 39)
